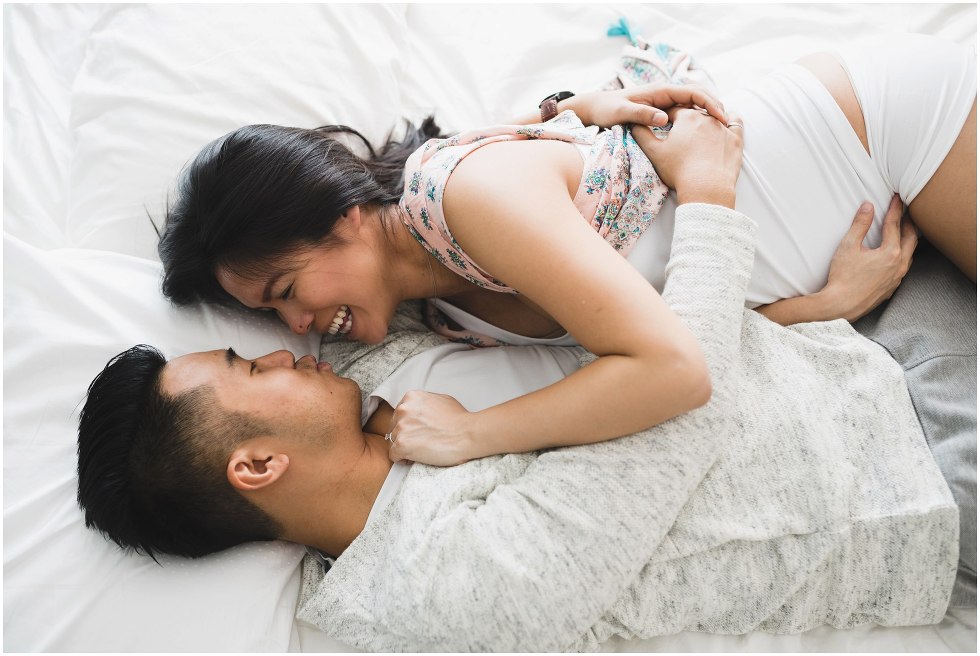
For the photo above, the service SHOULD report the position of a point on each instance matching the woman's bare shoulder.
(503, 169)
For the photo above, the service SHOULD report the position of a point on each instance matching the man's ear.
(252, 467)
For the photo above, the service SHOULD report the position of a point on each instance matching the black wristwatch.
(549, 106)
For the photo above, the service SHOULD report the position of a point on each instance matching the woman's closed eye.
(286, 292)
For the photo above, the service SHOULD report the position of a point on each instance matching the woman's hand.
(700, 157)
(431, 429)
(861, 278)
(641, 105)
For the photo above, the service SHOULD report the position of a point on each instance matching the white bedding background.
(104, 104)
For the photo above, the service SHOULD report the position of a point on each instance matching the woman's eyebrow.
(267, 291)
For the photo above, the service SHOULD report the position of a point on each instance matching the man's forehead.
(193, 370)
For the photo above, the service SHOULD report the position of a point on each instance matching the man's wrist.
(828, 305)
(716, 195)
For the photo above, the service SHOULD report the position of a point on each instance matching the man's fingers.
(861, 224)
(890, 233)
(735, 123)
(910, 239)
(645, 139)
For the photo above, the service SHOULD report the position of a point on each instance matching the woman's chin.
(369, 339)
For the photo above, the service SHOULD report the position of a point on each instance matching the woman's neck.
(420, 274)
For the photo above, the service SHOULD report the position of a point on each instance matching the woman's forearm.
(535, 117)
(612, 397)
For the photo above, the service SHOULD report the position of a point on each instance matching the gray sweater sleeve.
(534, 563)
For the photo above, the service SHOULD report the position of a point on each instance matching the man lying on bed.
(802, 494)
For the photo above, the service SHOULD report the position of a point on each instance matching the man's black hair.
(151, 468)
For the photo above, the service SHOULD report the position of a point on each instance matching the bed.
(102, 107)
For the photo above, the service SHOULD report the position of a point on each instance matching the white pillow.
(66, 312)
(160, 81)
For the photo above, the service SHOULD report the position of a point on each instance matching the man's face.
(296, 398)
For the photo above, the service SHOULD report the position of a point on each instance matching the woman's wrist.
(476, 440)
(579, 104)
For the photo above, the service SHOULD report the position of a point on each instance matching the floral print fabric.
(620, 193)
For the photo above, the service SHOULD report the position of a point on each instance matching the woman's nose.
(299, 322)
(275, 359)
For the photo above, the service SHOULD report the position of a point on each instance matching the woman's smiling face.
(336, 289)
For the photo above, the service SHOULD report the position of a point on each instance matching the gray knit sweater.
(802, 494)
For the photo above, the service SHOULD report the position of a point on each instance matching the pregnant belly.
(804, 174)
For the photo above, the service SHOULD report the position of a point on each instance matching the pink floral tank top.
(619, 193)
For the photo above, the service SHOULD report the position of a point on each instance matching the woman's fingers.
(686, 95)
(693, 95)
(644, 115)
(429, 428)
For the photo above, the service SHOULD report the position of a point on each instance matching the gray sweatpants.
(930, 327)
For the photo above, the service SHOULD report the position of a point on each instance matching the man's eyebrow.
(230, 356)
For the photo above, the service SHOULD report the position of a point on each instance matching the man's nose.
(275, 359)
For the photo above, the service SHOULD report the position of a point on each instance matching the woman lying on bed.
(290, 220)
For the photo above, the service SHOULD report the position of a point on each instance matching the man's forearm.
(801, 309)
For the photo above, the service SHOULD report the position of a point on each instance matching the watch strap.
(549, 106)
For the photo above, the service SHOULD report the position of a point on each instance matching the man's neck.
(342, 518)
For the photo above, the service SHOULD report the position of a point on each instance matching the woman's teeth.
(341, 322)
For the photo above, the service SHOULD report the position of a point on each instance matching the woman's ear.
(252, 468)
(353, 216)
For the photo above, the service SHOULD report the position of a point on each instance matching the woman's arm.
(641, 105)
(509, 207)
(860, 278)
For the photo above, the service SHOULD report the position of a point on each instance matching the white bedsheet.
(104, 104)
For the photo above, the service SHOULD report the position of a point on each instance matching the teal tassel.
(622, 28)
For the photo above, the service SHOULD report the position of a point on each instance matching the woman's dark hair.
(151, 467)
(253, 197)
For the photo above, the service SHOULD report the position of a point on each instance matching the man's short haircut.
(151, 467)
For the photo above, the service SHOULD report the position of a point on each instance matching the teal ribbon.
(622, 28)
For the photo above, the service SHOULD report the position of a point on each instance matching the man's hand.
(862, 278)
(431, 429)
(641, 105)
(700, 157)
